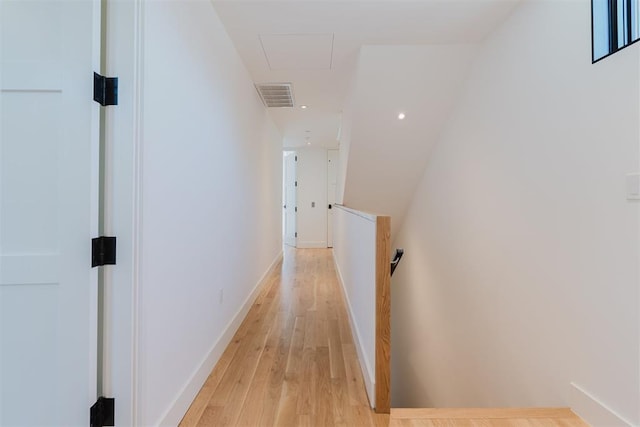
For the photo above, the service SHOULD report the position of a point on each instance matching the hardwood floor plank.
(238, 393)
(277, 375)
(321, 328)
(304, 421)
(340, 404)
(197, 408)
(336, 357)
(294, 359)
(309, 331)
(361, 415)
(307, 398)
(233, 375)
(211, 415)
(287, 409)
(324, 406)
(250, 413)
(355, 382)
(345, 326)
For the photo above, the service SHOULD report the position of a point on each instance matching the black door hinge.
(296, 158)
(296, 209)
(105, 90)
(296, 234)
(103, 251)
(296, 183)
(102, 413)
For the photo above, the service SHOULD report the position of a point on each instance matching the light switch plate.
(633, 186)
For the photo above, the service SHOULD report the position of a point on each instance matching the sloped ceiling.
(387, 156)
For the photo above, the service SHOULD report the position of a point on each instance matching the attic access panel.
(298, 51)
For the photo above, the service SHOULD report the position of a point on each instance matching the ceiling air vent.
(276, 94)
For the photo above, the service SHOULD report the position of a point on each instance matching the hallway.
(142, 276)
(293, 361)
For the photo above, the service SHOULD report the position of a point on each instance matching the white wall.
(312, 188)
(521, 271)
(354, 252)
(344, 137)
(211, 202)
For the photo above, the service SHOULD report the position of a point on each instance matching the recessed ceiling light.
(304, 107)
(308, 143)
(401, 116)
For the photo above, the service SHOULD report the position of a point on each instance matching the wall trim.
(173, 415)
(312, 245)
(593, 411)
(365, 367)
(368, 216)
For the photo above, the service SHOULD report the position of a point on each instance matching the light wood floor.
(293, 362)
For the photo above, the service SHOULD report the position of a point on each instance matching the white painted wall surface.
(312, 188)
(354, 252)
(211, 202)
(521, 273)
(344, 137)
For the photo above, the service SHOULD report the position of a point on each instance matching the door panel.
(48, 211)
(29, 220)
(332, 178)
(290, 199)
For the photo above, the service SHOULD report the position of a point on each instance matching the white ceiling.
(314, 45)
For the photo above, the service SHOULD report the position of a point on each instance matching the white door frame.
(123, 190)
(290, 205)
(332, 177)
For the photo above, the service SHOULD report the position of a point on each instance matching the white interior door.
(332, 180)
(48, 211)
(290, 208)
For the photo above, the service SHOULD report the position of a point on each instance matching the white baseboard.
(367, 372)
(180, 405)
(594, 412)
(311, 245)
